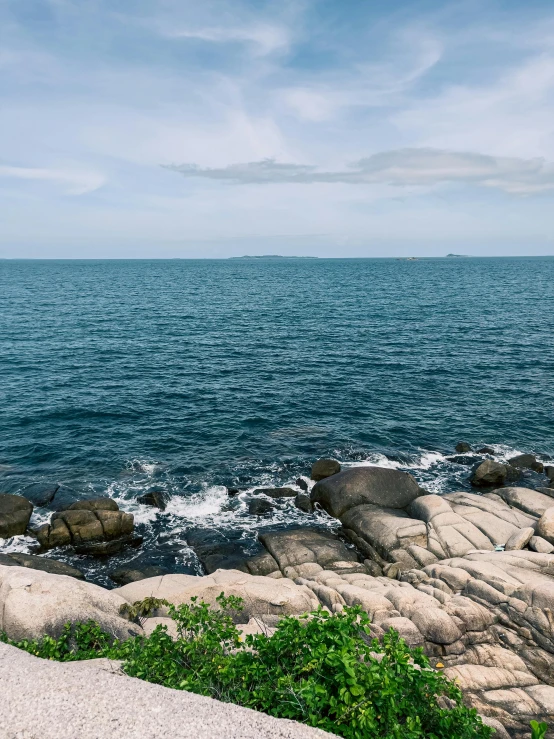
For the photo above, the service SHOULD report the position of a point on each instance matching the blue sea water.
(118, 377)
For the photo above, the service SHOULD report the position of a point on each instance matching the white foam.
(141, 465)
(21, 544)
(205, 504)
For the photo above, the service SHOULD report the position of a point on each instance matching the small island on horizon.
(458, 256)
(271, 256)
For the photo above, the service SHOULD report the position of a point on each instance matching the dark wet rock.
(303, 502)
(40, 494)
(65, 497)
(302, 484)
(276, 492)
(259, 507)
(94, 504)
(17, 559)
(485, 450)
(489, 474)
(95, 526)
(324, 468)
(526, 462)
(549, 472)
(155, 498)
(361, 485)
(262, 564)
(465, 459)
(297, 549)
(216, 552)
(462, 447)
(231, 492)
(108, 548)
(125, 575)
(15, 513)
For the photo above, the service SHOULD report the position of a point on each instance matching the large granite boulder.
(545, 526)
(324, 468)
(92, 527)
(298, 550)
(530, 501)
(489, 474)
(262, 596)
(361, 485)
(18, 559)
(35, 603)
(15, 514)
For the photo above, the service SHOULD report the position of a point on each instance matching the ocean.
(120, 377)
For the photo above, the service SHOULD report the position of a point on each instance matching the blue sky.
(334, 128)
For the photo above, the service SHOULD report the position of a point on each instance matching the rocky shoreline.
(468, 576)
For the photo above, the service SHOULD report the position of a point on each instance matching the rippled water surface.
(123, 376)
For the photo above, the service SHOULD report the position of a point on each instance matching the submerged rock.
(15, 514)
(259, 507)
(155, 498)
(324, 468)
(303, 502)
(360, 485)
(276, 492)
(462, 447)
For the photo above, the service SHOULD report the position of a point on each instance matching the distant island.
(458, 256)
(271, 256)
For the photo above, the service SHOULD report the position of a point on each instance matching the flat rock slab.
(59, 701)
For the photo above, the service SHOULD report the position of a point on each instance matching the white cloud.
(265, 38)
(73, 182)
(402, 168)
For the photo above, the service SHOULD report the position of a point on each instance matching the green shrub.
(320, 669)
(538, 731)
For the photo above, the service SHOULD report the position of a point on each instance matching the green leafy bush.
(538, 731)
(321, 669)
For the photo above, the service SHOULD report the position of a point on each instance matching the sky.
(340, 128)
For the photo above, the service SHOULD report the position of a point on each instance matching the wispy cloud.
(403, 167)
(72, 182)
(265, 38)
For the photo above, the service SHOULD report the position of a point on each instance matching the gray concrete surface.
(40, 699)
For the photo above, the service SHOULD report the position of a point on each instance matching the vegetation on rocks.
(321, 669)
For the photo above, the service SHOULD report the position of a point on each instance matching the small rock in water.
(15, 513)
(302, 484)
(324, 468)
(462, 447)
(549, 472)
(155, 498)
(259, 507)
(125, 575)
(489, 474)
(276, 492)
(526, 461)
(40, 494)
(302, 502)
(485, 450)
(231, 492)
